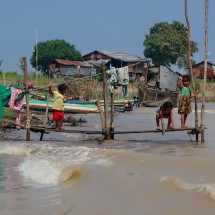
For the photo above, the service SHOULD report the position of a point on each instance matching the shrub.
(197, 84)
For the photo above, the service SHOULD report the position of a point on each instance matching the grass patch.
(9, 113)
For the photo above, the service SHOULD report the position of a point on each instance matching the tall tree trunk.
(190, 66)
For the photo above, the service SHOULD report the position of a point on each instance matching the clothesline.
(134, 64)
(77, 79)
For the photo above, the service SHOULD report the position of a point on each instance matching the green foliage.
(98, 78)
(166, 43)
(210, 99)
(197, 82)
(53, 49)
(13, 77)
(10, 113)
(9, 75)
(210, 80)
(182, 62)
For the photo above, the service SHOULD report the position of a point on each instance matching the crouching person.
(165, 111)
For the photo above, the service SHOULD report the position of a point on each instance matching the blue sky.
(111, 25)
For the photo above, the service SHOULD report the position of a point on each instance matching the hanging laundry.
(123, 76)
(16, 103)
(118, 77)
(14, 97)
(112, 78)
(124, 80)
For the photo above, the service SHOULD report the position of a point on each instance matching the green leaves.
(54, 49)
(166, 43)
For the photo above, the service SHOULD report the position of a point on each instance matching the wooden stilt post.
(102, 138)
(46, 116)
(190, 68)
(112, 115)
(105, 88)
(27, 100)
(205, 74)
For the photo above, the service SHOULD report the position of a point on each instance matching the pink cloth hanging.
(16, 105)
(14, 95)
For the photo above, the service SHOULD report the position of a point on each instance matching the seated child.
(165, 111)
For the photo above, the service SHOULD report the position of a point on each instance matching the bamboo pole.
(9, 121)
(112, 115)
(27, 100)
(101, 111)
(205, 74)
(46, 116)
(96, 88)
(198, 130)
(36, 49)
(134, 64)
(78, 79)
(107, 124)
(190, 67)
(70, 81)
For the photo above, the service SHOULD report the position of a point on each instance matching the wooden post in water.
(205, 74)
(190, 68)
(102, 138)
(27, 100)
(105, 88)
(112, 115)
(46, 117)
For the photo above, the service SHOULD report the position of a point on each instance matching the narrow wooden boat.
(92, 102)
(68, 107)
(77, 106)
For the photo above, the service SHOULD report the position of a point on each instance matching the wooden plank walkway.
(41, 129)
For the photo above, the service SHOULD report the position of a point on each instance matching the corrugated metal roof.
(212, 62)
(202, 62)
(123, 56)
(73, 63)
(78, 63)
(97, 62)
(69, 62)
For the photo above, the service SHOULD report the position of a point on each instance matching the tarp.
(5, 93)
(168, 79)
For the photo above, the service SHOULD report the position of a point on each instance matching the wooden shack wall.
(198, 71)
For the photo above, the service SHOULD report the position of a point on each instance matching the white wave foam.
(45, 163)
(204, 188)
(19, 149)
(41, 170)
